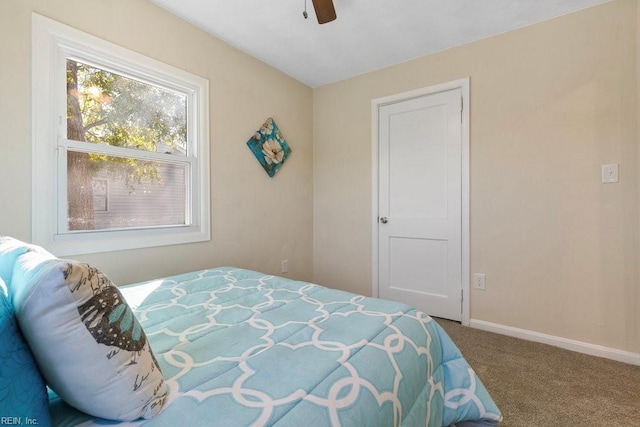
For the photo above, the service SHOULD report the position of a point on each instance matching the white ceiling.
(367, 35)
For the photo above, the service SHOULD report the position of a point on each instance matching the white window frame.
(52, 43)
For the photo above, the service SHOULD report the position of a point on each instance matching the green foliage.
(109, 108)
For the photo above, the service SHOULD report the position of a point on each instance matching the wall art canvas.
(269, 147)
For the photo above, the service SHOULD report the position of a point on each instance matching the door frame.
(463, 85)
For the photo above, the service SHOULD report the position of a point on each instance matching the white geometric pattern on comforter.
(240, 348)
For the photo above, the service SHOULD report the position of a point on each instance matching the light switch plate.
(610, 173)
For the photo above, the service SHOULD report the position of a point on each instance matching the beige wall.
(550, 103)
(636, 319)
(256, 221)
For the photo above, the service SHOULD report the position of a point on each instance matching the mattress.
(242, 348)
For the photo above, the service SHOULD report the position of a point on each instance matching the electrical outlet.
(285, 266)
(479, 281)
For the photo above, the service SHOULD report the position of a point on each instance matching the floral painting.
(269, 147)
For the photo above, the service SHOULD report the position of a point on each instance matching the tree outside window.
(105, 107)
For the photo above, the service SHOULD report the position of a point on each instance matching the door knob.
(383, 220)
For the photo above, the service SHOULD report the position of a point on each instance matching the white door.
(420, 203)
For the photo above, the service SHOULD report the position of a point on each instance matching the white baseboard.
(578, 346)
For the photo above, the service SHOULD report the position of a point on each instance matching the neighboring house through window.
(120, 146)
(100, 189)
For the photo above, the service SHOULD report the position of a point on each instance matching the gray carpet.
(540, 385)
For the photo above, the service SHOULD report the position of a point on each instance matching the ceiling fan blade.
(325, 12)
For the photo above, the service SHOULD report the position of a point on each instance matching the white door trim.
(463, 85)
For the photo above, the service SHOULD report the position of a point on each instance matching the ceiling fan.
(325, 12)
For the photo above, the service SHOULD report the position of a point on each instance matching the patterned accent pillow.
(23, 395)
(90, 347)
(10, 250)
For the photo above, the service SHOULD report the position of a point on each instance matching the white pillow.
(89, 346)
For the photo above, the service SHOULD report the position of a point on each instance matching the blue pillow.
(23, 395)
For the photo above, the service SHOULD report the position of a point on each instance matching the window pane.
(106, 107)
(107, 192)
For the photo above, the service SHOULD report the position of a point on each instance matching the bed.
(236, 347)
(242, 348)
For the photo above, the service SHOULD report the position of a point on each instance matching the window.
(100, 188)
(120, 146)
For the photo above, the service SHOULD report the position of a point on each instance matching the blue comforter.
(240, 348)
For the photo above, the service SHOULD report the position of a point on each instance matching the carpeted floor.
(540, 385)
